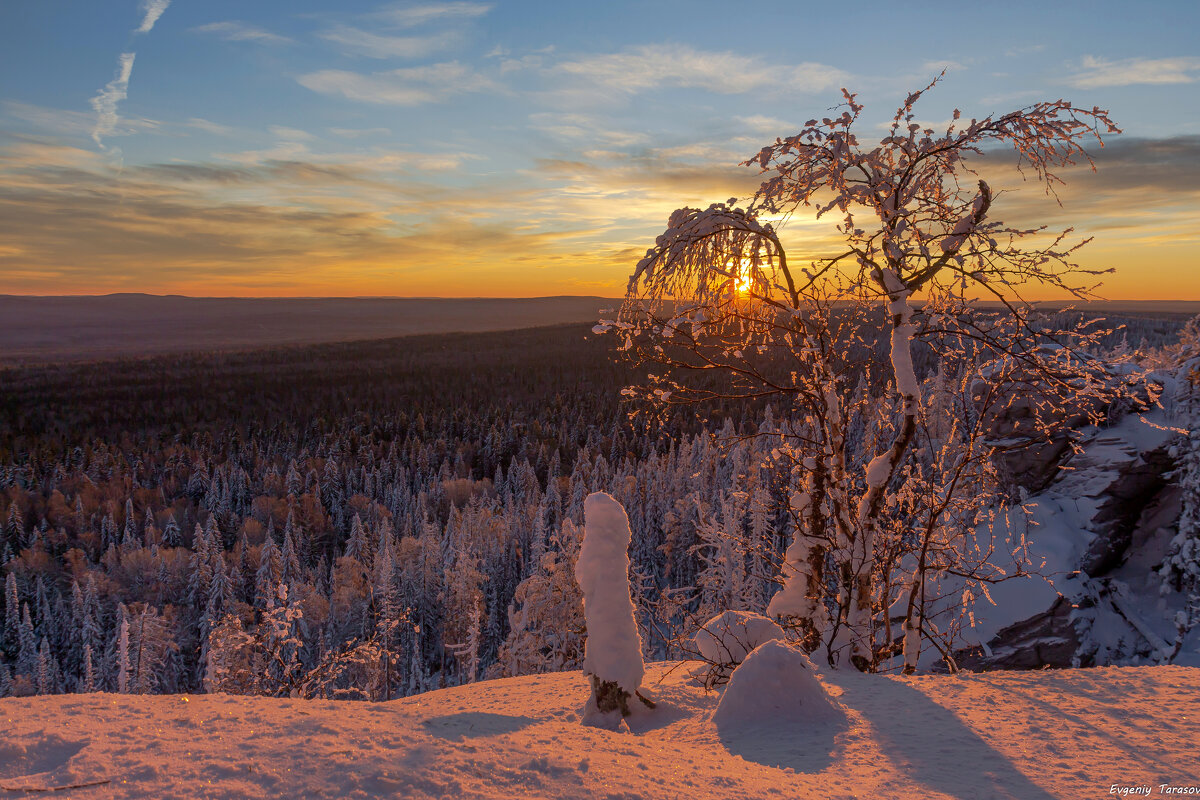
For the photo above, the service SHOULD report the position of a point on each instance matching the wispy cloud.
(234, 31)
(673, 65)
(409, 16)
(402, 87)
(290, 134)
(55, 121)
(585, 127)
(1099, 72)
(105, 103)
(151, 11)
(208, 126)
(373, 45)
(769, 126)
(360, 133)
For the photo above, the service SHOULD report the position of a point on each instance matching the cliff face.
(1105, 525)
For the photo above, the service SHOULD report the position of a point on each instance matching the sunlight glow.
(741, 280)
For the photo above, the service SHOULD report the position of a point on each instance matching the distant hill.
(37, 329)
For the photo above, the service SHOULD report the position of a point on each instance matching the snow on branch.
(709, 256)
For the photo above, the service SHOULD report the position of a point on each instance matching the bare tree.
(888, 488)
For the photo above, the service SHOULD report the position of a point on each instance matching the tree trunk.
(609, 696)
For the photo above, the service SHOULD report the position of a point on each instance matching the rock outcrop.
(1106, 502)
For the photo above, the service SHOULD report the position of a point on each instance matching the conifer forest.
(374, 519)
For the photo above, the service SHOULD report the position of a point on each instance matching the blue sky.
(525, 148)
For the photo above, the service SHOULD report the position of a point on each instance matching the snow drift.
(1027, 735)
(775, 684)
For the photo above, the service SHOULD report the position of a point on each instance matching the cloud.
(360, 133)
(305, 227)
(764, 125)
(151, 11)
(373, 45)
(412, 16)
(208, 126)
(402, 87)
(66, 123)
(233, 31)
(105, 103)
(56, 121)
(381, 222)
(1169, 168)
(673, 65)
(290, 134)
(585, 127)
(1099, 72)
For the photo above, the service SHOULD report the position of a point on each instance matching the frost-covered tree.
(1180, 569)
(88, 676)
(230, 665)
(150, 652)
(717, 304)
(546, 622)
(171, 536)
(723, 583)
(281, 638)
(47, 669)
(122, 651)
(12, 612)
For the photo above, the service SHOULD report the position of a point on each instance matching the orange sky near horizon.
(1162, 271)
(1149, 239)
(500, 149)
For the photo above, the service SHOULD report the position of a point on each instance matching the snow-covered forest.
(372, 520)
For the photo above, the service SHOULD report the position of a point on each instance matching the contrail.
(105, 103)
(153, 9)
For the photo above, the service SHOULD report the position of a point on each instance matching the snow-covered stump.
(613, 649)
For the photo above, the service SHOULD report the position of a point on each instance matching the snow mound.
(613, 650)
(730, 636)
(776, 683)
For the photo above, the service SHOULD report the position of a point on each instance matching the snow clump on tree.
(613, 650)
(726, 639)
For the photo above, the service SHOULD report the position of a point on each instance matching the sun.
(741, 279)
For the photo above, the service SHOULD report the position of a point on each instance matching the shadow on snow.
(931, 745)
(473, 725)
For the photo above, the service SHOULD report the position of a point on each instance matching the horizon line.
(1065, 301)
(303, 296)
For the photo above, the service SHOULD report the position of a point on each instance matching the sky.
(520, 148)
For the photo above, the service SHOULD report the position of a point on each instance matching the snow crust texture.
(613, 651)
(1028, 735)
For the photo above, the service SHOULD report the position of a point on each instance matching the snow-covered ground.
(1029, 735)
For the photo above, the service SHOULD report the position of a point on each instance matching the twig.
(54, 788)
